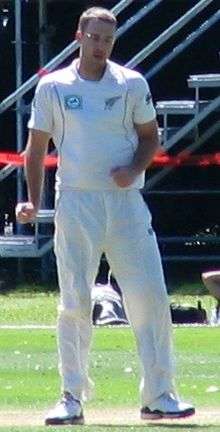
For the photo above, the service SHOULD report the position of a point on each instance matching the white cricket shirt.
(92, 123)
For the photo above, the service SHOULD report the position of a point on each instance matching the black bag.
(188, 314)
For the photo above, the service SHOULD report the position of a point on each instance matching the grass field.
(38, 307)
(29, 381)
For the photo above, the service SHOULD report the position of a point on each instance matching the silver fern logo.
(109, 103)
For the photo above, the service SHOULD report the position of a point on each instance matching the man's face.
(97, 41)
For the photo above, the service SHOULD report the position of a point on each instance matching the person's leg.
(211, 280)
(134, 258)
(78, 237)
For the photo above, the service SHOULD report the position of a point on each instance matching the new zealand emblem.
(109, 103)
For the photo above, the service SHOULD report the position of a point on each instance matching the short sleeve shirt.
(92, 123)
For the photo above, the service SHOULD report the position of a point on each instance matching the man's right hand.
(25, 212)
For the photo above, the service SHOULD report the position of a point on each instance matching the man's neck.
(90, 72)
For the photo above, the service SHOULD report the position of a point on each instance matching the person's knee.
(212, 282)
(211, 276)
(81, 310)
(67, 313)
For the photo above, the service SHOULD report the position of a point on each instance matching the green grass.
(29, 378)
(23, 307)
(28, 308)
(28, 363)
(122, 428)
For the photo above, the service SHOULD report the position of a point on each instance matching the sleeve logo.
(33, 104)
(148, 98)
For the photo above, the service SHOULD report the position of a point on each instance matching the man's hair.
(98, 13)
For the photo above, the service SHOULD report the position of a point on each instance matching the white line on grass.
(27, 327)
(53, 327)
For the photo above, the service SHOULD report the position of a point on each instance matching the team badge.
(150, 231)
(73, 102)
(109, 103)
(33, 105)
(148, 98)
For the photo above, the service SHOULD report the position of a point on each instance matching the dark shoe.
(167, 406)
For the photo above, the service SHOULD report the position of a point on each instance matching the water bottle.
(8, 226)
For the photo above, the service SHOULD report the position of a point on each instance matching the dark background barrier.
(172, 215)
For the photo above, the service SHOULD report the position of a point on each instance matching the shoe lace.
(170, 397)
(66, 399)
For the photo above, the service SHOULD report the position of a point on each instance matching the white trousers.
(119, 224)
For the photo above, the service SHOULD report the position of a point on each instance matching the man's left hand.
(123, 176)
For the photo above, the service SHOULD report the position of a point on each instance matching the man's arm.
(35, 152)
(148, 146)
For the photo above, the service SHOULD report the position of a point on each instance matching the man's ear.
(78, 35)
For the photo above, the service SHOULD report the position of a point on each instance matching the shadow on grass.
(166, 427)
(8, 288)
(113, 428)
(187, 427)
(184, 426)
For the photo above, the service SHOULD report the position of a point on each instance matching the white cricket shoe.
(68, 411)
(167, 406)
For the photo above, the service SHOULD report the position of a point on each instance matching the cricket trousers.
(88, 223)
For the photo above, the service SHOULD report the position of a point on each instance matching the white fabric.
(92, 125)
(169, 403)
(118, 223)
(78, 113)
(67, 409)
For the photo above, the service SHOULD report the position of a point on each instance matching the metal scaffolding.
(42, 14)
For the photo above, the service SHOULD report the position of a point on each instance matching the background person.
(211, 280)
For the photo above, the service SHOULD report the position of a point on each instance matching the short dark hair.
(96, 12)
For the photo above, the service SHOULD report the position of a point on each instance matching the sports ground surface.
(29, 382)
(122, 417)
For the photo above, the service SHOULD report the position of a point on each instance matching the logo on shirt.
(148, 98)
(109, 103)
(150, 231)
(73, 102)
(33, 105)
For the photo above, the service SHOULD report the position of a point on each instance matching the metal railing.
(156, 178)
(71, 48)
(191, 258)
(163, 37)
(6, 103)
(206, 25)
(212, 106)
(52, 64)
(137, 17)
(6, 171)
(143, 54)
(184, 192)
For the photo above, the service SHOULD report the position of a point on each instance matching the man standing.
(102, 121)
